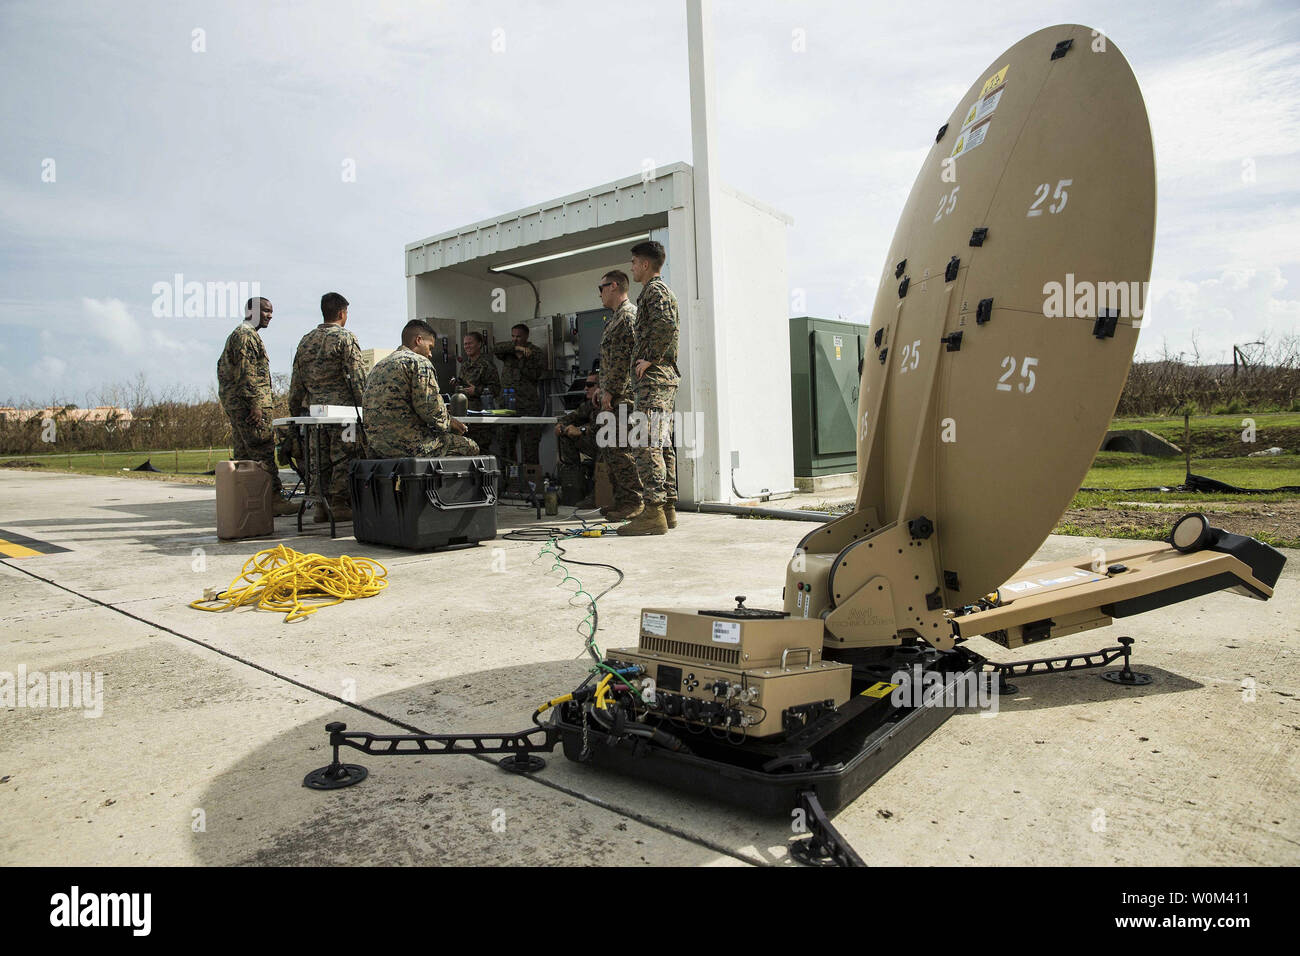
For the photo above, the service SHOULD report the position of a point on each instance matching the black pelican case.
(424, 503)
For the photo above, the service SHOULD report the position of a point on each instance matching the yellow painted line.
(15, 550)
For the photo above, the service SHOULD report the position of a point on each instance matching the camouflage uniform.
(404, 413)
(656, 390)
(617, 344)
(571, 449)
(482, 373)
(522, 373)
(328, 370)
(244, 382)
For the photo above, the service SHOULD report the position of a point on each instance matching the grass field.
(186, 463)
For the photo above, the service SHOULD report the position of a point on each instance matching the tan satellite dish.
(1004, 328)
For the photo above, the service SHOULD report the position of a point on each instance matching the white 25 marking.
(1043, 190)
(1026, 372)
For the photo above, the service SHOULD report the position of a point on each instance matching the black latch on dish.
(1116, 569)
(950, 581)
(920, 528)
(880, 334)
(953, 341)
(898, 269)
(939, 135)
(933, 600)
(979, 235)
(1104, 327)
(950, 273)
(1062, 48)
(883, 354)
(983, 311)
(902, 286)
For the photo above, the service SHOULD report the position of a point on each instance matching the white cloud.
(1233, 308)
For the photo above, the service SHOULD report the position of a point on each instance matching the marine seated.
(403, 410)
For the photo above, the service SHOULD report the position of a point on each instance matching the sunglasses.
(603, 285)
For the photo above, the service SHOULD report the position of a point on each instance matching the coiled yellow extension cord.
(281, 579)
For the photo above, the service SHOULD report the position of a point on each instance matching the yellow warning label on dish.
(880, 689)
(994, 81)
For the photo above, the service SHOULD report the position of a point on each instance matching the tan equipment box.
(707, 666)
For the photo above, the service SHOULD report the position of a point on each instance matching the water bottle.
(510, 398)
(487, 400)
(550, 499)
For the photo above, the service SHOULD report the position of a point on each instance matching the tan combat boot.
(670, 512)
(284, 506)
(649, 521)
(621, 512)
(319, 514)
(342, 508)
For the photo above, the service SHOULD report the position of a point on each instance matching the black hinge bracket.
(983, 311)
(950, 273)
(979, 235)
(950, 581)
(939, 135)
(898, 269)
(1062, 48)
(902, 286)
(1104, 327)
(953, 341)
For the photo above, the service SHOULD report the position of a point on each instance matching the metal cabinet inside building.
(825, 357)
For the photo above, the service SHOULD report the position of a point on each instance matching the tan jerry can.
(244, 500)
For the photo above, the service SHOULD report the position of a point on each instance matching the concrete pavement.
(210, 720)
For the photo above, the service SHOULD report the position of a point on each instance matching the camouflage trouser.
(655, 453)
(482, 436)
(571, 450)
(254, 442)
(446, 446)
(619, 458)
(532, 438)
(336, 455)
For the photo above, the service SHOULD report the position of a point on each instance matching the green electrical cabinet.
(825, 369)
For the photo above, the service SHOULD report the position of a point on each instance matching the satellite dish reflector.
(1009, 306)
(1003, 329)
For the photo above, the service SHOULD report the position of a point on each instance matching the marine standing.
(523, 366)
(655, 369)
(328, 370)
(478, 373)
(244, 388)
(618, 395)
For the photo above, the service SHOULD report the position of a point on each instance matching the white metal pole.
(707, 336)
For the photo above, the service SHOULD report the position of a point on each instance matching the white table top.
(505, 419)
(313, 420)
(467, 419)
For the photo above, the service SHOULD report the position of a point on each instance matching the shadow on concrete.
(438, 810)
(1043, 691)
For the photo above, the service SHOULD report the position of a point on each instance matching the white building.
(734, 399)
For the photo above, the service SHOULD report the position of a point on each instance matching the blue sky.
(225, 165)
